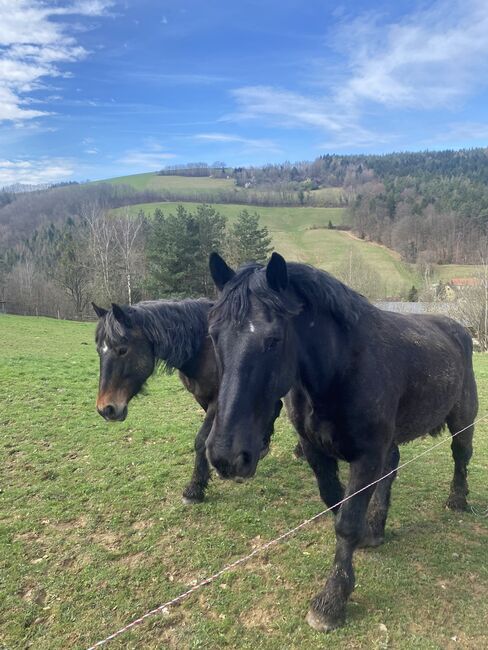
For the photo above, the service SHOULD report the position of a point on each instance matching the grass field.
(447, 272)
(209, 186)
(152, 181)
(301, 234)
(93, 532)
(293, 229)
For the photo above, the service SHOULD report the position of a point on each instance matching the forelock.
(110, 330)
(234, 303)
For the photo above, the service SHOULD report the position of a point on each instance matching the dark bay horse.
(131, 341)
(360, 381)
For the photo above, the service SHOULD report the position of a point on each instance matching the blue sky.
(96, 88)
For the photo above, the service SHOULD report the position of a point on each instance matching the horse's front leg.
(326, 472)
(194, 492)
(328, 607)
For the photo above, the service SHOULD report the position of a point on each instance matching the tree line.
(430, 206)
(106, 258)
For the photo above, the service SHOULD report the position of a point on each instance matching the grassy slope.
(288, 226)
(152, 181)
(93, 531)
(448, 271)
(294, 238)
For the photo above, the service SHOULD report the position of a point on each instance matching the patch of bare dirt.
(132, 561)
(72, 524)
(34, 594)
(29, 536)
(142, 525)
(260, 616)
(108, 540)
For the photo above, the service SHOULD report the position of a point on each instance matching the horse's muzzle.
(241, 466)
(113, 412)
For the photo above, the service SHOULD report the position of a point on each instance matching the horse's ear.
(121, 315)
(276, 273)
(219, 270)
(99, 311)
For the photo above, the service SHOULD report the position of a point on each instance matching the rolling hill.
(299, 233)
(302, 235)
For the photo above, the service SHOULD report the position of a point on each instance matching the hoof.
(190, 502)
(320, 623)
(192, 496)
(370, 541)
(457, 503)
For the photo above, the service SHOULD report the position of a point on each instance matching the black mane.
(311, 288)
(176, 329)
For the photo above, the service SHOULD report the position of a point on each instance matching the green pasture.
(294, 228)
(206, 185)
(446, 272)
(187, 184)
(302, 235)
(93, 532)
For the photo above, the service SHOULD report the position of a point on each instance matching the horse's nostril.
(109, 411)
(243, 461)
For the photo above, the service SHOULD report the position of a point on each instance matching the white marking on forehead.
(251, 326)
(104, 347)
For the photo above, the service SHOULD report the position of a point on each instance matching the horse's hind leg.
(194, 492)
(462, 446)
(462, 449)
(380, 502)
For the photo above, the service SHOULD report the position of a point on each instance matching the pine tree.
(249, 241)
(413, 294)
(178, 249)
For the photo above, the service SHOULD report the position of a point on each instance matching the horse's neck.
(187, 333)
(322, 352)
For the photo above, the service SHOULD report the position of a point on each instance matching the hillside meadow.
(302, 234)
(93, 532)
(207, 185)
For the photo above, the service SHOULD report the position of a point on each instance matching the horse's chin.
(264, 452)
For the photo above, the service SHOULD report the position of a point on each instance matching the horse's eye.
(271, 343)
(122, 351)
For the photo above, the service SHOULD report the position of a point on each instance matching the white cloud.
(463, 132)
(432, 57)
(290, 108)
(228, 138)
(151, 158)
(43, 170)
(287, 109)
(32, 46)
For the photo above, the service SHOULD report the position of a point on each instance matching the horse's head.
(253, 336)
(126, 360)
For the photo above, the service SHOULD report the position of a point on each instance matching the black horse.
(361, 381)
(132, 340)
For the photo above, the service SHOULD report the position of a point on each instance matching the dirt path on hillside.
(392, 252)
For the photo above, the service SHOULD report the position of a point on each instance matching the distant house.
(464, 282)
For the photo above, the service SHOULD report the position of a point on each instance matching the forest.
(60, 244)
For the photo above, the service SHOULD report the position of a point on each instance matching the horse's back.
(433, 354)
